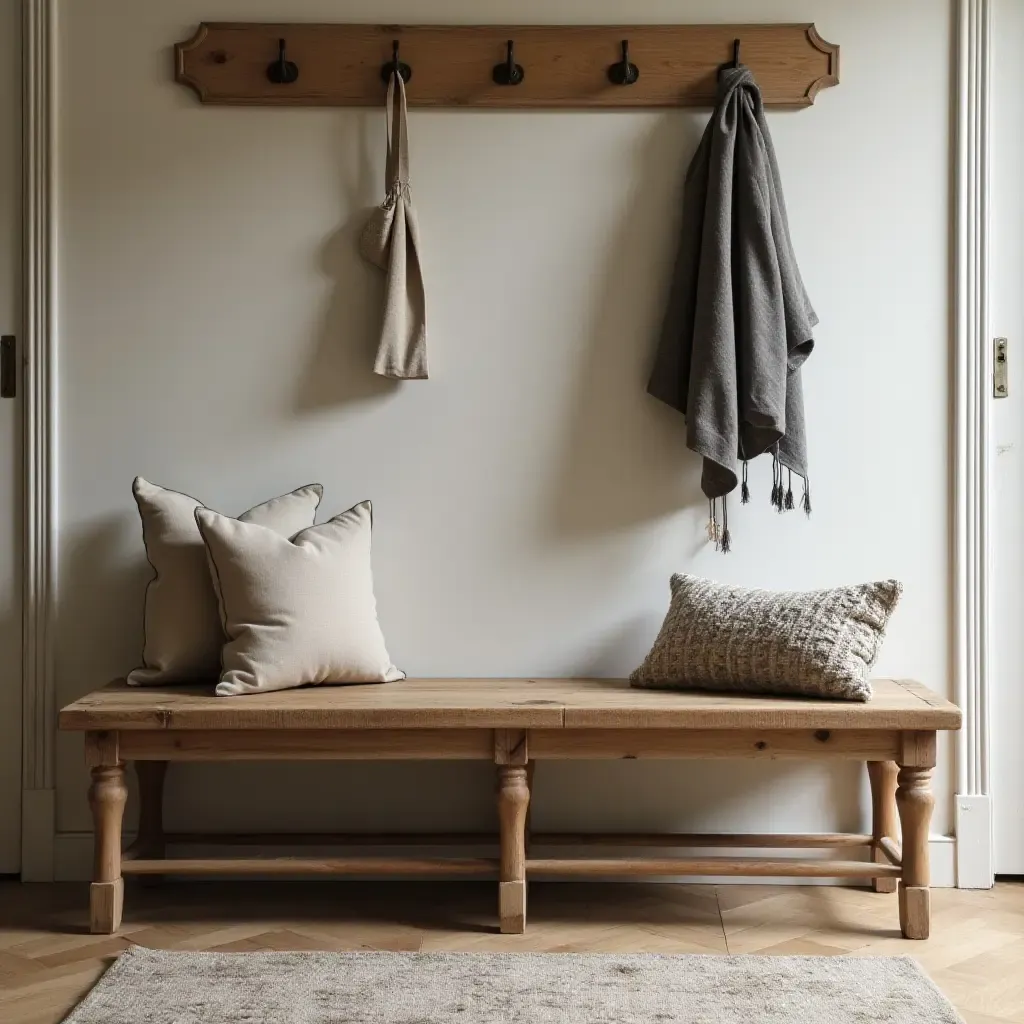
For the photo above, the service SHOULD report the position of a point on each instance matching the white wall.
(531, 500)
(1007, 320)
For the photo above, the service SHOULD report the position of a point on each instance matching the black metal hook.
(395, 66)
(733, 64)
(623, 73)
(509, 73)
(282, 71)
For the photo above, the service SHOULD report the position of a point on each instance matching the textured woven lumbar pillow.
(296, 611)
(821, 643)
(183, 632)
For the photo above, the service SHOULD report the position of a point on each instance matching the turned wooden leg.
(529, 807)
(882, 775)
(914, 801)
(107, 797)
(513, 803)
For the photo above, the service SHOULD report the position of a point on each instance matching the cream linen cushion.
(296, 611)
(818, 644)
(183, 632)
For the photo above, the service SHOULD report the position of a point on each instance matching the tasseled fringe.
(778, 490)
(714, 531)
(783, 500)
(718, 533)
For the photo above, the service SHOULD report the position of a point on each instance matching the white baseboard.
(942, 857)
(73, 860)
(37, 838)
(975, 862)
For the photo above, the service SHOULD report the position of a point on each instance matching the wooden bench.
(513, 723)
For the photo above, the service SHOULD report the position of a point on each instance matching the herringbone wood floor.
(48, 960)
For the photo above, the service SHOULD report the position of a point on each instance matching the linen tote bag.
(391, 242)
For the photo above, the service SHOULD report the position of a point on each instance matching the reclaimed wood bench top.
(500, 704)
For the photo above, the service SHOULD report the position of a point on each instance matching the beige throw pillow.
(183, 632)
(818, 644)
(296, 611)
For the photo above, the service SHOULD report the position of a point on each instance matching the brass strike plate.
(1000, 375)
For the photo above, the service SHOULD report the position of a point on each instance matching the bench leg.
(513, 803)
(529, 807)
(914, 800)
(882, 775)
(107, 797)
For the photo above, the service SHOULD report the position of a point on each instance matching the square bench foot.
(106, 900)
(915, 911)
(512, 907)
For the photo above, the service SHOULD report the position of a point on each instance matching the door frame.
(971, 430)
(972, 578)
(39, 717)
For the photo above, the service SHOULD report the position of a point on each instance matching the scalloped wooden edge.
(817, 42)
(832, 51)
(180, 49)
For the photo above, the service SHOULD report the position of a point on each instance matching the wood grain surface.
(499, 704)
(564, 65)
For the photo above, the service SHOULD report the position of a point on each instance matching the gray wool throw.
(739, 322)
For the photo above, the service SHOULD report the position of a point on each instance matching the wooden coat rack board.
(463, 66)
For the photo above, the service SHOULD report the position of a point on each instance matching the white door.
(1007, 319)
(10, 438)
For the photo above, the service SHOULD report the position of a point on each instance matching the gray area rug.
(149, 986)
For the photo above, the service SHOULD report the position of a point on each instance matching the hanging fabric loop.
(391, 242)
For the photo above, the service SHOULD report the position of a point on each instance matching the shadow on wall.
(624, 459)
(341, 368)
(619, 648)
(699, 796)
(104, 574)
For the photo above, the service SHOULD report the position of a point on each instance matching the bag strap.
(397, 174)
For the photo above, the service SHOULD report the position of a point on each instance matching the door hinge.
(8, 366)
(1000, 376)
